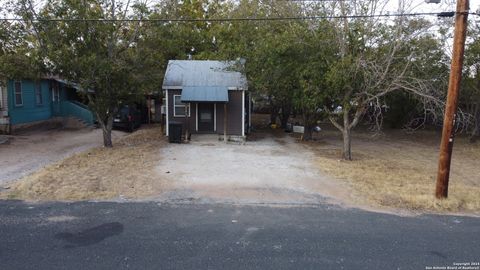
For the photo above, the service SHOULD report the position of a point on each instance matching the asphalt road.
(150, 235)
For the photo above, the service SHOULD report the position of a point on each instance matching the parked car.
(128, 117)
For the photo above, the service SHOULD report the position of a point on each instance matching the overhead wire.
(326, 17)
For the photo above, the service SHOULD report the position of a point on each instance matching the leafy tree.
(265, 46)
(17, 57)
(103, 57)
(374, 59)
(340, 68)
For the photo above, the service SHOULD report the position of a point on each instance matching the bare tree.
(374, 60)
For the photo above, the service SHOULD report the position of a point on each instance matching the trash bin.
(175, 132)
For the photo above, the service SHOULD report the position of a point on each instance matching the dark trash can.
(175, 132)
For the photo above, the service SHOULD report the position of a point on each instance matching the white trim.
(4, 90)
(166, 110)
(214, 117)
(183, 105)
(1, 97)
(172, 87)
(243, 113)
(196, 114)
(237, 88)
(250, 103)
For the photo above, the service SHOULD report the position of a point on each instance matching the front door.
(205, 117)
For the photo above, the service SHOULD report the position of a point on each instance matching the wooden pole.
(225, 139)
(446, 145)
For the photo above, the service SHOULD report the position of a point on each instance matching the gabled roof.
(197, 73)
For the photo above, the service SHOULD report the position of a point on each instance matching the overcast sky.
(445, 5)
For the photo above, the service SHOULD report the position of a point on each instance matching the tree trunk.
(347, 144)
(346, 129)
(347, 136)
(106, 130)
(307, 127)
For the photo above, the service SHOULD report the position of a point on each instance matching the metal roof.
(73, 85)
(204, 94)
(181, 73)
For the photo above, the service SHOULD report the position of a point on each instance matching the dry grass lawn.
(398, 170)
(126, 170)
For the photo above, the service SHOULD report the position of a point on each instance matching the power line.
(312, 0)
(439, 14)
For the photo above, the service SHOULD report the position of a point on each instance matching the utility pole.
(448, 133)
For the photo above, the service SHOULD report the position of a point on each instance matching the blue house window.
(18, 94)
(38, 93)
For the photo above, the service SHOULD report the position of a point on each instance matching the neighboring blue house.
(29, 102)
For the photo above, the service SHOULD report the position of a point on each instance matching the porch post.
(166, 112)
(215, 117)
(225, 122)
(196, 116)
(187, 122)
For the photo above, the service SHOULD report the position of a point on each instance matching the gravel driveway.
(30, 151)
(269, 170)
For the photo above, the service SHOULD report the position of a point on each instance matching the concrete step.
(75, 123)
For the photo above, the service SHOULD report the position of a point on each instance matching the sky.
(445, 5)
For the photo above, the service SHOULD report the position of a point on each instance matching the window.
(38, 93)
(18, 94)
(179, 107)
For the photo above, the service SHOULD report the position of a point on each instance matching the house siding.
(191, 120)
(234, 110)
(234, 114)
(29, 111)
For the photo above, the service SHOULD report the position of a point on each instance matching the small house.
(25, 103)
(207, 97)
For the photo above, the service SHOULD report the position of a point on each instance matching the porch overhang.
(204, 94)
(73, 85)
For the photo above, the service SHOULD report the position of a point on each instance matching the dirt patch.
(270, 170)
(125, 171)
(32, 150)
(399, 170)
